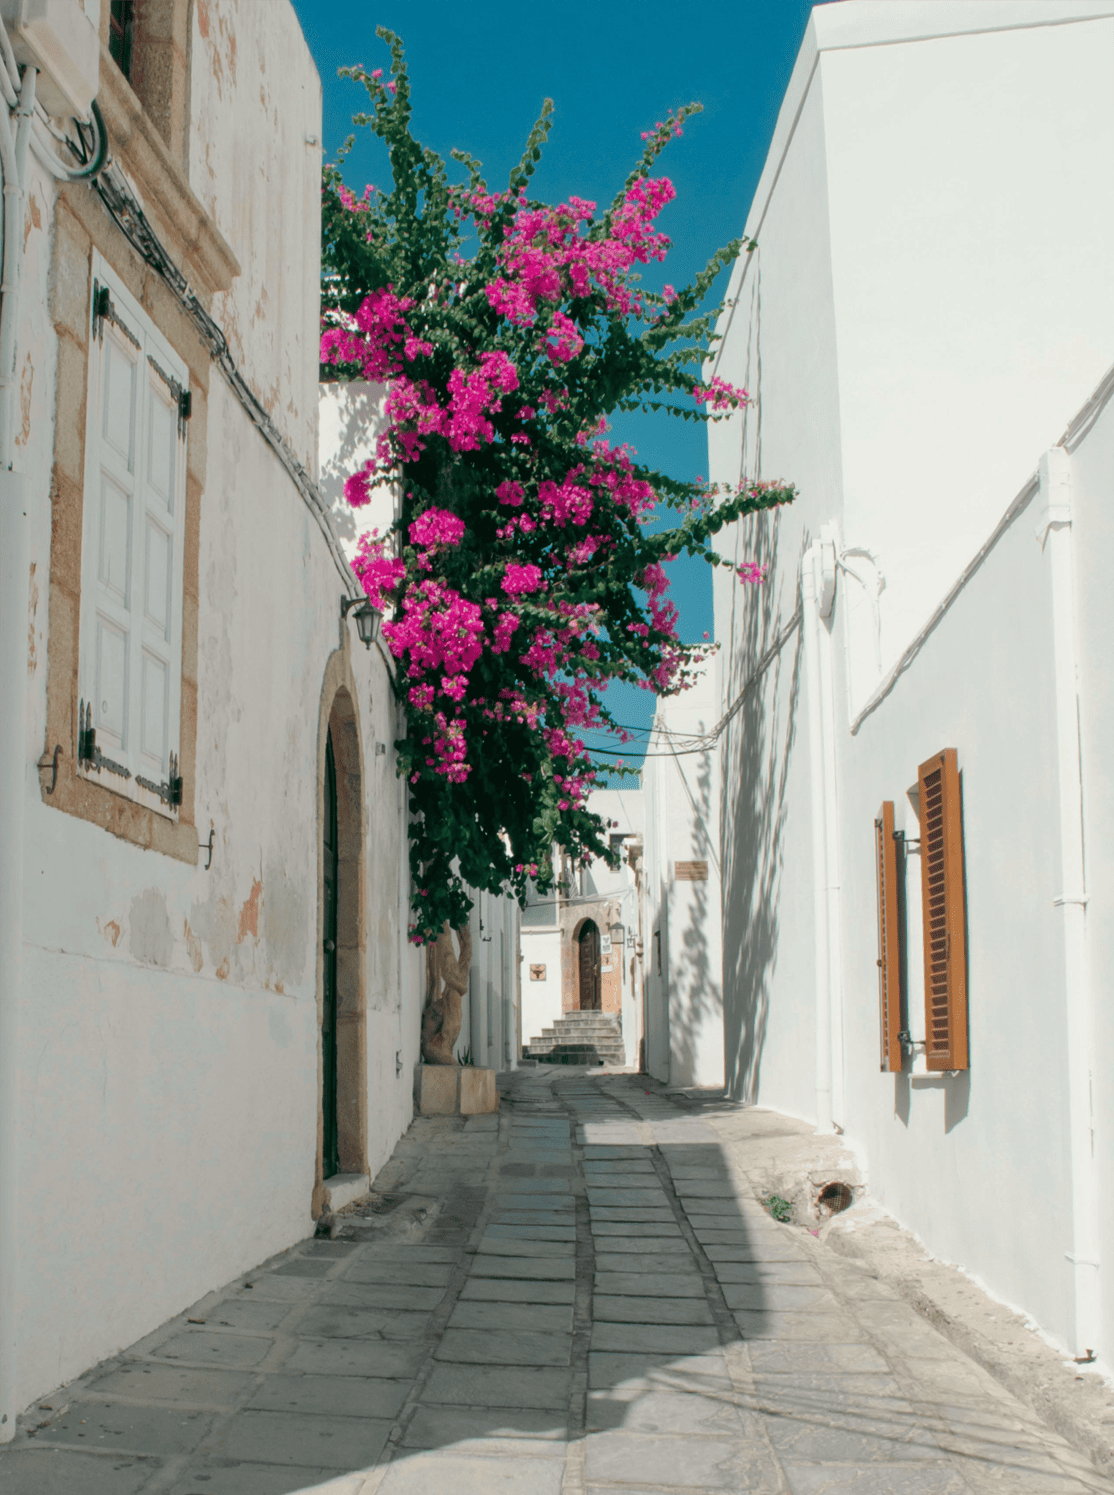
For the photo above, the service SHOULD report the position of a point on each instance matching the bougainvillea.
(524, 571)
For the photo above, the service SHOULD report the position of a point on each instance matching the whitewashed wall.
(169, 1019)
(684, 999)
(916, 336)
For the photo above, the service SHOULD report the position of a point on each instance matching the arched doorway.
(330, 876)
(588, 967)
(342, 1082)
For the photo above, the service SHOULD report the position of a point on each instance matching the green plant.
(780, 1208)
(525, 571)
(466, 1058)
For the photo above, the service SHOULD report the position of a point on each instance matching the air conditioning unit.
(62, 39)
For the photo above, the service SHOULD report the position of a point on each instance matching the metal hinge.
(169, 791)
(104, 310)
(89, 754)
(182, 396)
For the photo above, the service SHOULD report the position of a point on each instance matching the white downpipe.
(14, 582)
(823, 1021)
(1054, 531)
(825, 564)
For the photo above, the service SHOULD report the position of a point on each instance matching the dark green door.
(329, 1161)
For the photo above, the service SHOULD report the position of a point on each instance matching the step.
(613, 1053)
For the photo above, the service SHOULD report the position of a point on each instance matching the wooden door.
(589, 968)
(330, 1163)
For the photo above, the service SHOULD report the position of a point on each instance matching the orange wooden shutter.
(945, 922)
(889, 963)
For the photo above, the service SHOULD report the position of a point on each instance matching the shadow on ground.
(581, 1294)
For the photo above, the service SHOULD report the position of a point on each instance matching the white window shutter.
(114, 436)
(131, 631)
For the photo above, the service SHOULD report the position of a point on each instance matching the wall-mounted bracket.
(50, 761)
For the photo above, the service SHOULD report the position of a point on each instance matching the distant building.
(580, 987)
(918, 819)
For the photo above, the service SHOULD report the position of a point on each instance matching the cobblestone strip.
(573, 1481)
(394, 1447)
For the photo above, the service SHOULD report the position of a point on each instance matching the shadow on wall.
(759, 744)
(359, 416)
(699, 991)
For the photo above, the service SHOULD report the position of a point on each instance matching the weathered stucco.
(170, 1007)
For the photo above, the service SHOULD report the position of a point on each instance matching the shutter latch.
(89, 754)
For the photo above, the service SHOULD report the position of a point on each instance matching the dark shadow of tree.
(697, 1003)
(754, 807)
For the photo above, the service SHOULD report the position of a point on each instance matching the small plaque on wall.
(690, 871)
(537, 973)
(606, 967)
(605, 944)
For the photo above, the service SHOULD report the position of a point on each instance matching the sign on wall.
(605, 944)
(690, 871)
(537, 973)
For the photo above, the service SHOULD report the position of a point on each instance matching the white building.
(680, 877)
(929, 310)
(208, 1007)
(580, 981)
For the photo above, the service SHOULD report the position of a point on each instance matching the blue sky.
(479, 73)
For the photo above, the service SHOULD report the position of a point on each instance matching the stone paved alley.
(580, 1294)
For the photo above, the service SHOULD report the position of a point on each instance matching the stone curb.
(1078, 1407)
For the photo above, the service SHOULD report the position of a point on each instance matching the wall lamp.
(368, 618)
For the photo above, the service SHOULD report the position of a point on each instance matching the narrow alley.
(580, 1294)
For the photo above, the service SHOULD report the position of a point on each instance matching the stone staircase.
(579, 1038)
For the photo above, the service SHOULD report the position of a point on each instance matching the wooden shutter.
(889, 961)
(945, 922)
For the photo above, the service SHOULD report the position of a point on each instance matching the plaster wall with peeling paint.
(169, 1027)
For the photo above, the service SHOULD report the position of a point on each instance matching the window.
(889, 954)
(944, 912)
(121, 32)
(130, 651)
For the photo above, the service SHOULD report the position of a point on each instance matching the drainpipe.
(14, 564)
(1054, 532)
(825, 566)
(822, 977)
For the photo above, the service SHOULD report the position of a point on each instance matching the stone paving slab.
(242, 1478)
(554, 1269)
(493, 1245)
(115, 1428)
(504, 1290)
(650, 1310)
(144, 1381)
(651, 1284)
(54, 1471)
(451, 1474)
(654, 1339)
(340, 1396)
(571, 1320)
(339, 1443)
(555, 1317)
(546, 1387)
(531, 1232)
